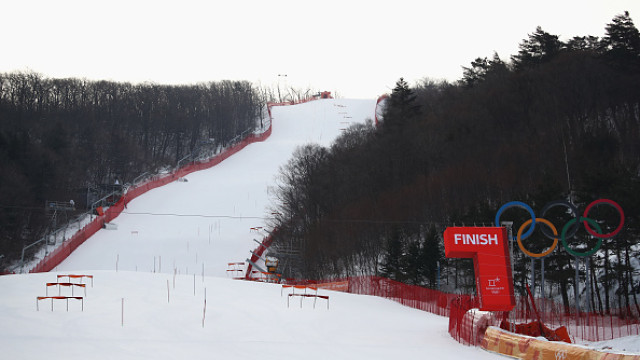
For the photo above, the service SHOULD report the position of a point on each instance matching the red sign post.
(487, 246)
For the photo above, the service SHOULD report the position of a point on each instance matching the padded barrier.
(529, 348)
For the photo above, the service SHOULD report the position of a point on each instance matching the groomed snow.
(244, 320)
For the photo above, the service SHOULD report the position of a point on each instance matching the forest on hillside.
(557, 121)
(70, 139)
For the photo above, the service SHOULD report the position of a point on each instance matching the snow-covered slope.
(242, 320)
(205, 223)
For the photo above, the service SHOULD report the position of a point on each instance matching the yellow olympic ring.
(542, 254)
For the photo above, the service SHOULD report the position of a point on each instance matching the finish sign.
(488, 248)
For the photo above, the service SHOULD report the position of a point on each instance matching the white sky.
(358, 49)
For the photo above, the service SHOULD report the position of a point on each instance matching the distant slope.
(203, 224)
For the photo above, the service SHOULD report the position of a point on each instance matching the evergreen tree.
(622, 41)
(481, 69)
(392, 266)
(584, 43)
(413, 261)
(401, 106)
(432, 255)
(540, 48)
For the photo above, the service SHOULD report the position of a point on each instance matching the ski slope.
(136, 315)
(205, 223)
(161, 289)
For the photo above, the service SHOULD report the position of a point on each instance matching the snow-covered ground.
(242, 320)
(172, 246)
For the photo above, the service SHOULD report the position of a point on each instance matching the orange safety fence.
(38, 298)
(334, 285)
(236, 269)
(72, 276)
(71, 285)
(304, 294)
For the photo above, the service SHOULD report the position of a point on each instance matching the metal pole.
(533, 277)
(542, 285)
(575, 288)
(588, 282)
(509, 226)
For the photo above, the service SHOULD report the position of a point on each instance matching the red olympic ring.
(609, 202)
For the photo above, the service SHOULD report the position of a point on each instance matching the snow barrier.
(529, 348)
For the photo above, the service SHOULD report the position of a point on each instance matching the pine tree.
(584, 43)
(432, 255)
(413, 261)
(622, 41)
(392, 266)
(483, 68)
(401, 106)
(540, 48)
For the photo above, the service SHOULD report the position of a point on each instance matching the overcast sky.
(358, 49)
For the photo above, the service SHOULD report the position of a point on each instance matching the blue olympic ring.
(522, 205)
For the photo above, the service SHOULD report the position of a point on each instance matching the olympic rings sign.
(568, 230)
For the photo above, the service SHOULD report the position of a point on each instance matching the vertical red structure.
(488, 248)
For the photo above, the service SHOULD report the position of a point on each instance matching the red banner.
(487, 246)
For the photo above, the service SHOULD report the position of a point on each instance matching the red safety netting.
(590, 326)
(467, 324)
(417, 297)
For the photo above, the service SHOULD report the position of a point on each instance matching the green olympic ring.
(577, 253)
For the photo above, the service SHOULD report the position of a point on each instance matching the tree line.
(60, 136)
(558, 120)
